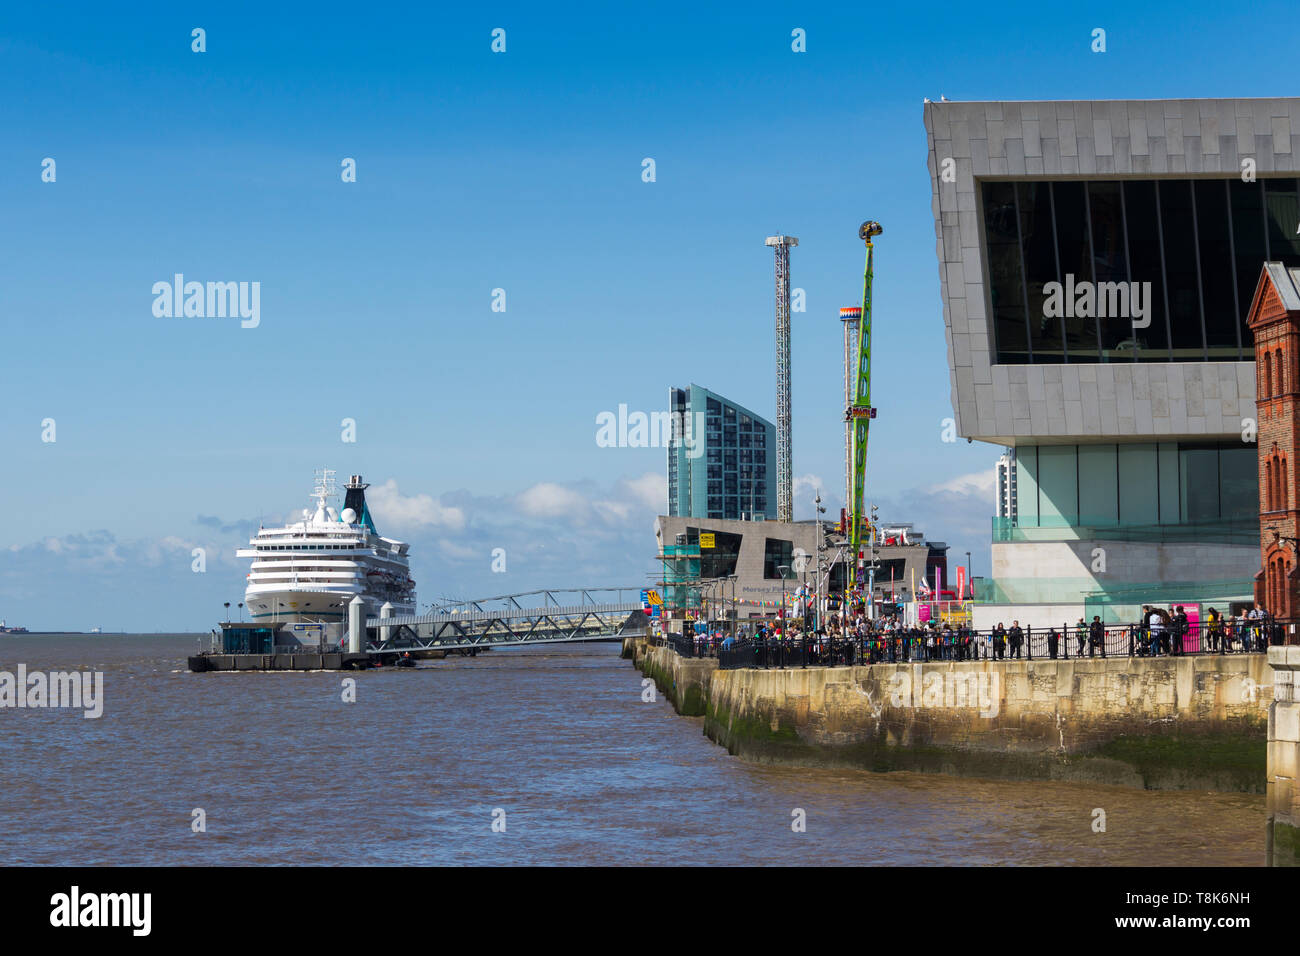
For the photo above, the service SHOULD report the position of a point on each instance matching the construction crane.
(860, 412)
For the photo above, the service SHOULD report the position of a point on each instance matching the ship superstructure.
(309, 571)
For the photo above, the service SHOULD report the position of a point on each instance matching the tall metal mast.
(784, 476)
(860, 412)
(849, 318)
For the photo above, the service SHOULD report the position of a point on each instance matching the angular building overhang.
(1081, 402)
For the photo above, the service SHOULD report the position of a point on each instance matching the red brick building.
(1275, 320)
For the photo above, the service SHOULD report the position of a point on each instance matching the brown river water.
(558, 738)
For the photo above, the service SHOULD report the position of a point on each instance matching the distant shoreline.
(107, 634)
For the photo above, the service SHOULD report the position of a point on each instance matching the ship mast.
(325, 486)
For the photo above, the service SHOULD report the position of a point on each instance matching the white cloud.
(806, 486)
(459, 551)
(549, 500)
(412, 511)
(975, 483)
(651, 489)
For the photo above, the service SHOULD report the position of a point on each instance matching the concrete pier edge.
(1186, 723)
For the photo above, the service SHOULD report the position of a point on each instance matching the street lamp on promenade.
(784, 569)
(735, 610)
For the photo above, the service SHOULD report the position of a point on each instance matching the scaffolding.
(680, 585)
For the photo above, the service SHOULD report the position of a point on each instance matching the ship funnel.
(356, 500)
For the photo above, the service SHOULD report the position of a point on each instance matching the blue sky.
(478, 171)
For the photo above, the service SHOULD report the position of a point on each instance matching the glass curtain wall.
(1180, 256)
(1165, 489)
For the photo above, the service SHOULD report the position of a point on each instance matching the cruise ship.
(310, 570)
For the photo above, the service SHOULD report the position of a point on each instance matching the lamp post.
(821, 560)
(784, 569)
(227, 612)
(970, 582)
(735, 609)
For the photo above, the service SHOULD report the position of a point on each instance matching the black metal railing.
(1069, 642)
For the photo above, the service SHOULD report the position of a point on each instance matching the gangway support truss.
(517, 619)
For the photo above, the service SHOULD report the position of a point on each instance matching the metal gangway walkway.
(546, 616)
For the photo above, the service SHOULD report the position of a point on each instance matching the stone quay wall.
(1198, 722)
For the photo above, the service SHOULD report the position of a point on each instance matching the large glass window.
(1006, 283)
(1239, 483)
(1098, 487)
(1218, 288)
(1147, 265)
(1188, 252)
(720, 560)
(1283, 210)
(1046, 333)
(1072, 243)
(1198, 482)
(1139, 497)
(1136, 485)
(1110, 269)
(1249, 248)
(1058, 485)
(777, 553)
(1181, 273)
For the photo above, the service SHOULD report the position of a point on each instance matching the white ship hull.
(304, 605)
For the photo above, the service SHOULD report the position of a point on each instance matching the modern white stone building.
(1096, 262)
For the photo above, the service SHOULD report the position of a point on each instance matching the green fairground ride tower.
(860, 414)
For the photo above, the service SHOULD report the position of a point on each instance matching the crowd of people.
(1157, 632)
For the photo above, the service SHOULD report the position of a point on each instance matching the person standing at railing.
(1081, 634)
(1180, 629)
(1251, 640)
(999, 642)
(1215, 624)
(1096, 636)
(1053, 640)
(1167, 633)
(1156, 624)
(1016, 637)
(1135, 630)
